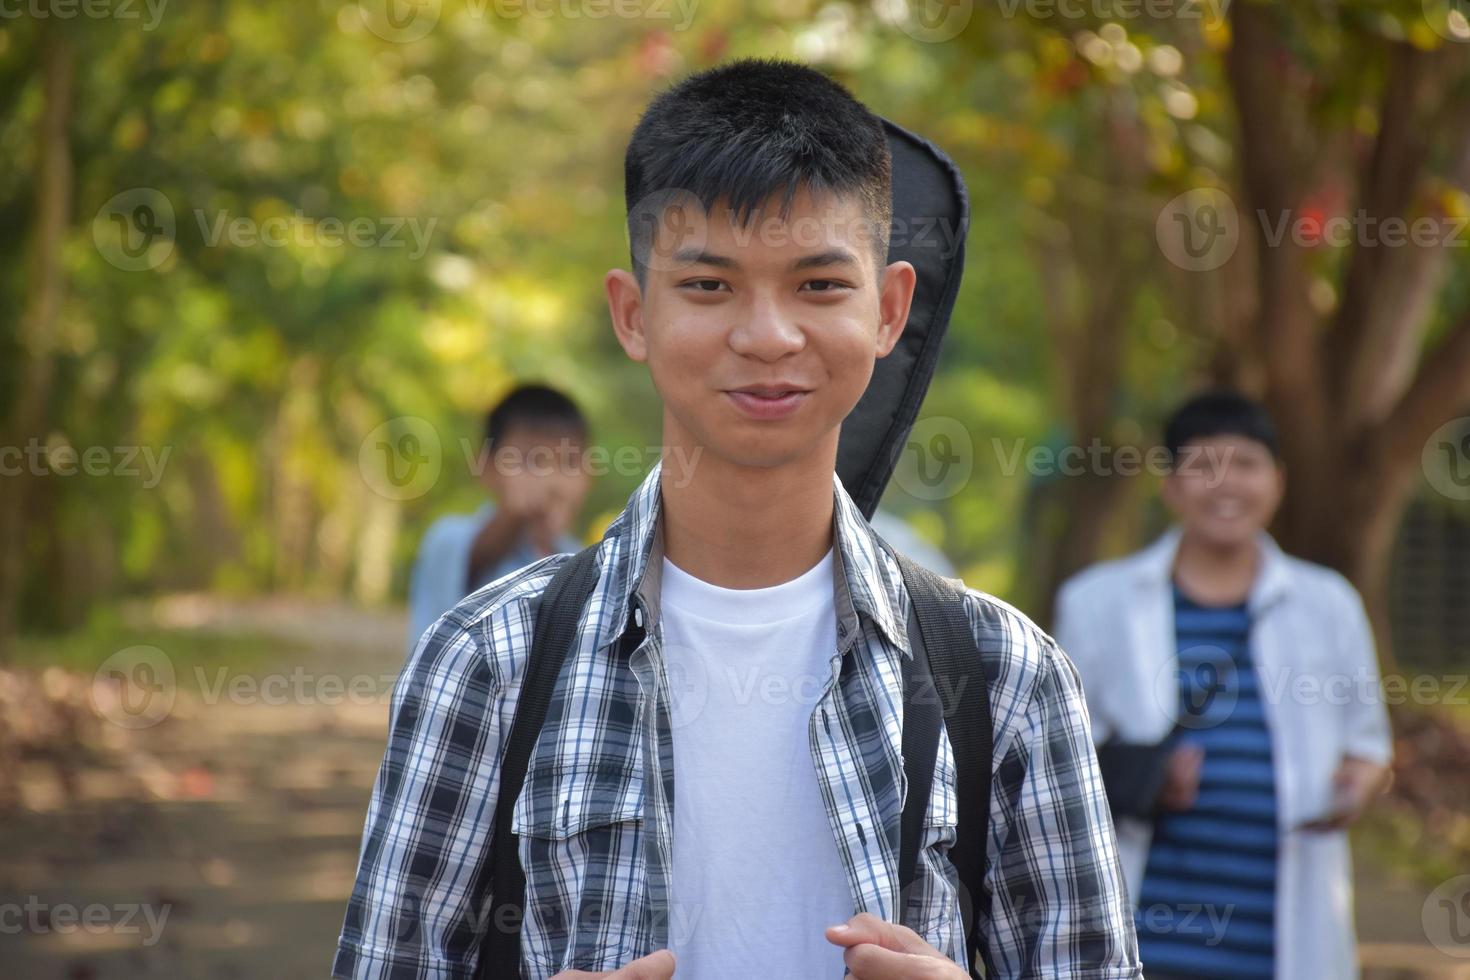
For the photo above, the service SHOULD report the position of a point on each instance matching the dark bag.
(945, 678)
(931, 216)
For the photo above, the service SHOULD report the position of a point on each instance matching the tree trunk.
(28, 416)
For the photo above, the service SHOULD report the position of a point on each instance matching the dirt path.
(220, 842)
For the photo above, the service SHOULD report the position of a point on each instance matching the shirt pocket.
(581, 845)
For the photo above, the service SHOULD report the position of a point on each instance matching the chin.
(1228, 535)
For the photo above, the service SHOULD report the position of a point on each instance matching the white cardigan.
(1312, 648)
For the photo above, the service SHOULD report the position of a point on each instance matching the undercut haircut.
(746, 131)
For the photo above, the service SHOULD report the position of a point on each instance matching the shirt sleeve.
(1057, 905)
(422, 872)
(1367, 733)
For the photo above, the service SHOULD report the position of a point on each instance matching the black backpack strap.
(557, 619)
(956, 689)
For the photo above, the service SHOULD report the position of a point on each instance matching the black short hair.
(1219, 412)
(535, 406)
(744, 131)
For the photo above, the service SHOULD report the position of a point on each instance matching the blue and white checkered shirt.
(594, 818)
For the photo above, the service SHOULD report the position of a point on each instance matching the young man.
(530, 466)
(1252, 676)
(722, 796)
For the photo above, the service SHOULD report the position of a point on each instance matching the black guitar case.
(931, 217)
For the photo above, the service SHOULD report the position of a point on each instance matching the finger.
(867, 961)
(868, 928)
(658, 965)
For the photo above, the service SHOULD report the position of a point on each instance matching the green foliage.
(260, 369)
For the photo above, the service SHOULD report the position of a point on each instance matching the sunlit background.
(250, 245)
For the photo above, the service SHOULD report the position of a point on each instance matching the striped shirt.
(594, 819)
(1207, 903)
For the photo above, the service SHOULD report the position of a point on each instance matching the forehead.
(1223, 444)
(811, 222)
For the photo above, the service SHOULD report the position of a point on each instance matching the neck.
(744, 527)
(1216, 573)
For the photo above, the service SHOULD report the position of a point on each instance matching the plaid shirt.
(594, 818)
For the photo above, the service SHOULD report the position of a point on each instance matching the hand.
(878, 950)
(1181, 778)
(658, 965)
(1354, 785)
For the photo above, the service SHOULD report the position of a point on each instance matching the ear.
(625, 304)
(895, 296)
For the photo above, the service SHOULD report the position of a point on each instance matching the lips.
(768, 402)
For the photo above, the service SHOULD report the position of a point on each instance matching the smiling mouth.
(768, 403)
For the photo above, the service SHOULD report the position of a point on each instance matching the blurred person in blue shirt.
(531, 466)
(1234, 696)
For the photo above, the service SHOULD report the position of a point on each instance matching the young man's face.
(760, 338)
(1224, 489)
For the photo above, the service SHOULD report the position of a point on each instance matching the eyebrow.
(832, 256)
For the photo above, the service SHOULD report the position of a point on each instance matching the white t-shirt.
(756, 874)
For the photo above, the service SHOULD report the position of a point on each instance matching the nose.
(766, 331)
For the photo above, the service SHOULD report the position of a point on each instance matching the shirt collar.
(1273, 578)
(865, 578)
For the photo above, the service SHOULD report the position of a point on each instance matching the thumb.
(868, 928)
(658, 965)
